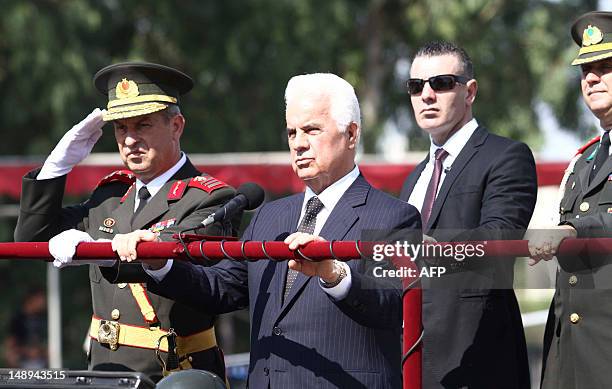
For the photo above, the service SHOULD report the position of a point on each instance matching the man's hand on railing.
(543, 244)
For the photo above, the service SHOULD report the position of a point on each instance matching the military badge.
(591, 36)
(108, 223)
(609, 210)
(126, 89)
(206, 183)
(176, 190)
(162, 225)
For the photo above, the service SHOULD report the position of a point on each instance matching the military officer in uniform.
(578, 336)
(161, 191)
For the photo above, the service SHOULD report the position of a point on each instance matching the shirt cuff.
(341, 290)
(159, 274)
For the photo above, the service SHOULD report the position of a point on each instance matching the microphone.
(248, 196)
(447, 169)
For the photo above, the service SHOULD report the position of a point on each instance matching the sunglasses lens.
(442, 83)
(415, 86)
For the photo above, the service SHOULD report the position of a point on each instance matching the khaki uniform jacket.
(112, 202)
(578, 337)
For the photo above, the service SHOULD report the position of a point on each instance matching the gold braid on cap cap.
(141, 99)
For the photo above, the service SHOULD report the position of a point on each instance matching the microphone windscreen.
(254, 194)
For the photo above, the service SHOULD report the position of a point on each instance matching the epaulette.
(206, 183)
(125, 176)
(587, 145)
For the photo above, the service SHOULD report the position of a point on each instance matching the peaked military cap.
(140, 88)
(593, 33)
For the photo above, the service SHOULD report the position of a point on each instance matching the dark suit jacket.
(578, 355)
(310, 341)
(474, 337)
(42, 217)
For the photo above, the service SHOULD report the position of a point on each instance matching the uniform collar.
(155, 184)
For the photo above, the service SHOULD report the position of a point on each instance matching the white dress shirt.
(330, 197)
(156, 184)
(453, 147)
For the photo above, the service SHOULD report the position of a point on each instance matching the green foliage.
(241, 54)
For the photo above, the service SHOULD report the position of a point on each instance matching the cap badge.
(127, 88)
(591, 35)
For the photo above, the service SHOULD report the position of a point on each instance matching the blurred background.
(241, 53)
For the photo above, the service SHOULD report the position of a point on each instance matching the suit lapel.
(288, 223)
(583, 176)
(123, 213)
(413, 178)
(601, 175)
(465, 155)
(338, 224)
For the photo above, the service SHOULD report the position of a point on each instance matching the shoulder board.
(176, 190)
(125, 176)
(588, 144)
(128, 192)
(206, 183)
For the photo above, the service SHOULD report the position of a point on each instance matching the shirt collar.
(457, 141)
(155, 185)
(332, 194)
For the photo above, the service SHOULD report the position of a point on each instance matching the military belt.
(117, 334)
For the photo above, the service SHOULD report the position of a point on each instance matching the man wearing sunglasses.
(473, 185)
(578, 340)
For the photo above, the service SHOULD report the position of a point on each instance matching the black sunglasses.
(440, 83)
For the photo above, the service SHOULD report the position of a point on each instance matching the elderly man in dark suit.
(162, 191)
(326, 324)
(473, 185)
(578, 340)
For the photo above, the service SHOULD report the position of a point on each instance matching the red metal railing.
(341, 250)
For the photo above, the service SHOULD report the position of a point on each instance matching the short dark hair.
(437, 48)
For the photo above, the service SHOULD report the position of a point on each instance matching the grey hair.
(344, 106)
(171, 111)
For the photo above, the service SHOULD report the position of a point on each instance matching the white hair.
(344, 106)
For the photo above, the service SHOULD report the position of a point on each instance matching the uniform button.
(277, 331)
(266, 371)
(122, 285)
(561, 210)
(574, 318)
(584, 206)
(573, 280)
(115, 314)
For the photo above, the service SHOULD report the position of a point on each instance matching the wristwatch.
(341, 276)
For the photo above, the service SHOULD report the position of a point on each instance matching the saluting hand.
(74, 146)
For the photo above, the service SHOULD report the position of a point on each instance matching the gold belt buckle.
(109, 333)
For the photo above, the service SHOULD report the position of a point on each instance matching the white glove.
(63, 246)
(74, 146)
